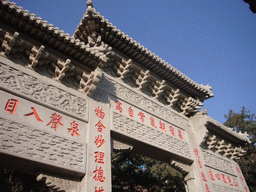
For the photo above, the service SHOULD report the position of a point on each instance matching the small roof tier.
(93, 21)
(23, 21)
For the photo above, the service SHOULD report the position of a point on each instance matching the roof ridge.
(92, 13)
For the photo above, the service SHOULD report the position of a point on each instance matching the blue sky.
(212, 42)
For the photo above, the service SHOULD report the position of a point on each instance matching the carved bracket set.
(153, 86)
(34, 56)
(224, 148)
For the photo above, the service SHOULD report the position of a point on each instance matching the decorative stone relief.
(118, 145)
(149, 135)
(59, 184)
(41, 146)
(221, 188)
(141, 101)
(217, 162)
(21, 82)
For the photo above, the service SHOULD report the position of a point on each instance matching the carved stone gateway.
(66, 101)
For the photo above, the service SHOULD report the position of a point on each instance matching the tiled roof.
(239, 135)
(125, 44)
(41, 30)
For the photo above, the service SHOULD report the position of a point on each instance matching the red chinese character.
(100, 113)
(242, 179)
(246, 189)
(196, 152)
(130, 111)
(235, 183)
(99, 157)
(99, 174)
(142, 116)
(180, 136)
(100, 126)
(34, 113)
(218, 176)
(99, 141)
(238, 170)
(224, 178)
(207, 188)
(229, 180)
(211, 175)
(172, 130)
(203, 176)
(162, 126)
(101, 189)
(152, 122)
(11, 105)
(200, 164)
(55, 121)
(74, 128)
(118, 106)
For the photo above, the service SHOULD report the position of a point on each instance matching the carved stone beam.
(142, 79)
(172, 97)
(88, 83)
(58, 184)
(9, 42)
(61, 68)
(158, 88)
(36, 55)
(123, 68)
(182, 168)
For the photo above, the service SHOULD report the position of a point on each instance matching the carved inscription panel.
(37, 145)
(217, 162)
(150, 135)
(130, 95)
(24, 83)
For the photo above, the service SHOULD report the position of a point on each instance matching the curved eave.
(27, 23)
(228, 132)
(113, 37)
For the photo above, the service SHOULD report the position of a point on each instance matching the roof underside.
(110, 35)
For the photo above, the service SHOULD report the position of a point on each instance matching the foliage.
(245, 121)
(252, 4)
(13, 181)
(133, 172)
